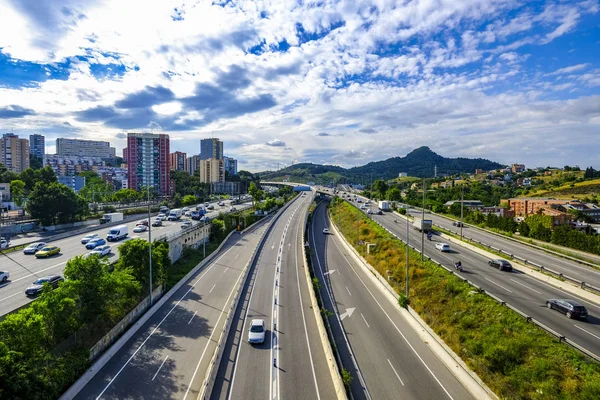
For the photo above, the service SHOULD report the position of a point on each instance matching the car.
(571, 308)
(442, 247)
(232, 209)
(379, 212)
(326, 231)
(458, 223)
(101, 250)
(37, 286)
(47, 251)
(363, 207)
(369, 211)
(143, 222)
(221, 203)
(359, 201)
(157, 222)
(89, 237)
(161, 215)
(92, 244)
(210, 207)
(3, 243)
(206, 204)
(140, 228)
(187, 213)
(205, 219)
(4, 276)
(184, 209)
(34, 248)
(502, 265)
(256, 333)
(186, 224)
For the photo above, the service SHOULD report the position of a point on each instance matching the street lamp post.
(149, 239)
(422, 219)
(407, 247)
(462, 204)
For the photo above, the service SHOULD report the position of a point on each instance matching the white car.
(442, 246)
(3, 243)
(4, 276)
(89, 237)
(34, 248)
(221, 203)
(140, 228)
(363, 207)
(369, 211)
(256, 333)
(162, 216)
(326, 231)
(101, 250)
(184, 209)
(186, 224)
(187, 213)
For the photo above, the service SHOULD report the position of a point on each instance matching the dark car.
(37, 287)
(457, 223)
(379, 212)
(502, 265)
(569, 307)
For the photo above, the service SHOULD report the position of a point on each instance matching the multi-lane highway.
(394, 361)
(24, 269)
(168, 357)
(291, 363)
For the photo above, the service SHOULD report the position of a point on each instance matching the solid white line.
(363, 317)
(586, 331)
(394, 369)
(212, 288)
(190, 321)
(159, 368)
(158, 326)
(348, 291)
(497, 284)
(522, 284)
(225, 270)
(393, 323)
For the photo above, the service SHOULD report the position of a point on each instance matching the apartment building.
(211, 148)
(230, 165)
(14, 152)
(192, 164)
(148, 161)
(72, 165)
(212, 170)
(37, 146)
(529, 206)
(177, 161)
(517, 168)
(84, 148)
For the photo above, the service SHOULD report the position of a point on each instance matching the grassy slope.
(589, 188)
(514, 358)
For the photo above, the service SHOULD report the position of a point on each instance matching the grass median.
(516, 359)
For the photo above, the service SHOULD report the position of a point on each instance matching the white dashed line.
(497, 284)
(363, 317)
(394, 369)
(586, 331)
(159, 368)
(528, 287)
(190, 321)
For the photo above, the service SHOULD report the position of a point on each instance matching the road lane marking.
(497, 284)
(348, 291)
(522, 284)
(586, 331)
(394, 369)
(363, 317)
(8, 297)
(236, 257)
(159, 368)
(225, 270)
(190, 321)
(212, 288)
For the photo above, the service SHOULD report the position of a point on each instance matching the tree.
(17, 192)
(46, 175)
(394, 194)
(134, 257)
(126, 196)
(256, 194)
(189, 200)
(29, 177)
(55, 203)
(6, 175)
(35, 162)
(381, 187)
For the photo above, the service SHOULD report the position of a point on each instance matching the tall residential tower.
(148, 161)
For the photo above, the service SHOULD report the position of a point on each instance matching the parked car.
(36, 288)
(101, 250)
(4, 276)
(143, 222)
(186, 224)
(157, 222)
(442, 247)
(502, 265)
(34, 248)
(256, 333)
(92, 244)
(140, 228)
(89, 237)
(47, 251)
(326, 231)
(571, 308)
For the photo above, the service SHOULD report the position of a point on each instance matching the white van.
(175, 214)
(117, 233)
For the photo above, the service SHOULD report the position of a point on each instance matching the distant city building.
(192, 164)
(4, 192)
(479, 171)
(37, 146)
(125, 155)
(84, 148)
(230, 165)
(148, 161)
(211, 148)
(517, 168)
(402, 174)
(212, 170)
(72, 165)
(177, 161)
(74, 182)
(231, 188)
(116, 176)
(14, 153)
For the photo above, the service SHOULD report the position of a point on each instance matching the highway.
(290, 364)
(167, 358)
(24, 269)
(394, 361)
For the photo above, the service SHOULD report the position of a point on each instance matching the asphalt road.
(24, 269)
(168, 357)
(525, 293)
(394, 361)
(290, 364)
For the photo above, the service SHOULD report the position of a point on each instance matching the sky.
(342, 82)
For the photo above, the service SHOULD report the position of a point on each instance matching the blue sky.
(340, 82)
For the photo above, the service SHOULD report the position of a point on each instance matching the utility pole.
(407, 248)
(149, 238)
(422, 219)
(462, 204)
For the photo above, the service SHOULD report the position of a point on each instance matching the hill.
(418, 163)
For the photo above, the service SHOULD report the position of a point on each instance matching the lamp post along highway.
(407, 247)
(422, 219)
(149, 239)
(462, 204)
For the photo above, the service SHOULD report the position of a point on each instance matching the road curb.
(451, 360)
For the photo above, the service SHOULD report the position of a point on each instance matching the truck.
(111, 217)
(175, 214)
(384, 205)
(117, 233)
(421, 224)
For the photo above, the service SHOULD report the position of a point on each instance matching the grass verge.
(514, 358)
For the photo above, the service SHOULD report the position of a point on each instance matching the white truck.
(117, 233)
(175, 214)
(111, 217)
(424, 225)
(384, 205)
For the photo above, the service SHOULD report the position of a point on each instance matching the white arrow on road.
(330, 272)
(273, 246)
(348, 313)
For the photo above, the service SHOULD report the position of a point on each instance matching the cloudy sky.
(341, 82)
